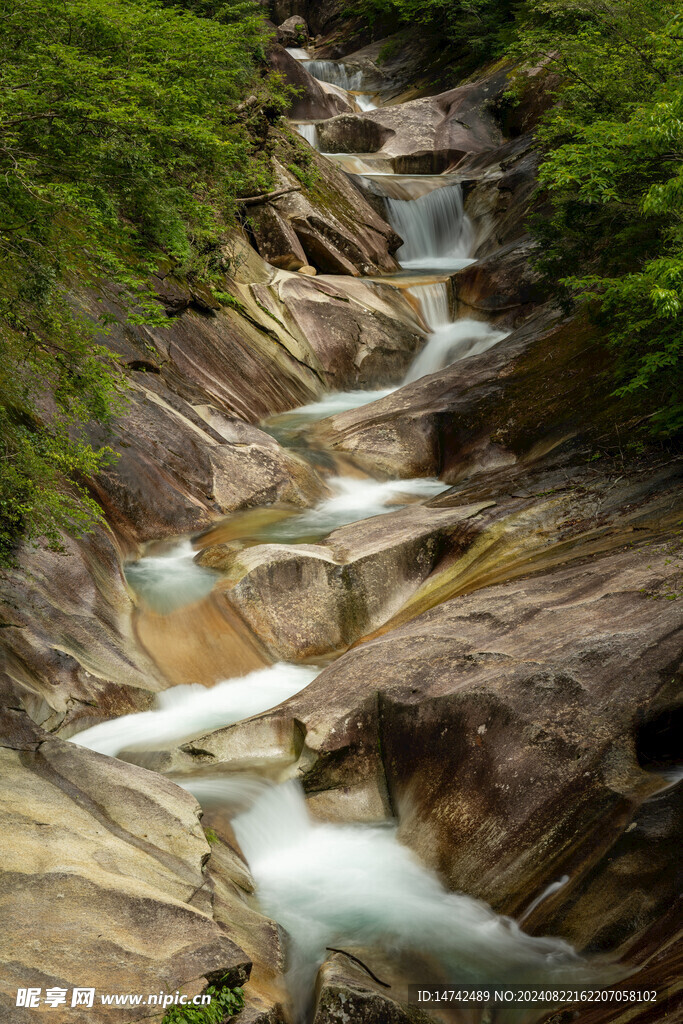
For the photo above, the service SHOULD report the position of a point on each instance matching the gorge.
(371, 675)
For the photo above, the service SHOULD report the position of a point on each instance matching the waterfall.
(335, 73)
(453, 341)
(170, 580)
(192, 710)
(356, 885)
(435, 229)
(364, 101)
(433, 302)
(298, 53)
(309, 131)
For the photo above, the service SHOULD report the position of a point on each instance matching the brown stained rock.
(68, 644)
(305, 601)
(333, 219)
(103, 884)
(500, 188)
(358, 333)
(345, 992)
(276, 239)
(175, 473)
(503, 288)
(508, 727)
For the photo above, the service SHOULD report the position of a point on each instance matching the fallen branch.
(268, 197)
(330, 949)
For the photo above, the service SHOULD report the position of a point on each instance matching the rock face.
(68, 639)
(512, 403)
(361, 334)
(503, 287)
(510, 729)
(312, 101)
(103, 883)
(337, 231)
(307, 600)
(426, 135)
(293, 31)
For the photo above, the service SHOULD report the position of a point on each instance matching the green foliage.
(225, 1003)
(613, 170)
(389, 50)
(211, 836)
(461, 34)
(122, 140)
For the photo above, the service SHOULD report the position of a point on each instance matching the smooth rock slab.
(103, 883)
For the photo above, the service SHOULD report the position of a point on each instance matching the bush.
(122, 140)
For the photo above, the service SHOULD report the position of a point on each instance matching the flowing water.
(436, 232)
(171, 579)
(335, 72)
(331, 885)
(309, 131)
(326, 884)
(186, 711)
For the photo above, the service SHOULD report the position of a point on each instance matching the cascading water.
(298, 53)
(350, 884)
(186, 711)
(352, 500)
(449, 340)
(309, 131)
(335, 73)
(169, 580)
(436, 231)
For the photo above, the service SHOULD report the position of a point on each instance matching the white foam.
(185, 711)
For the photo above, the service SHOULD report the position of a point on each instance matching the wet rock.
(103, 882)
(513, 403)
(313, 100)
(293, 31)
(501, 192)
(502, 287)
(345, 991)
(175, 472)
(359, 334)
(338, 230)
(276, 239)
(307, 600)
(426, 135)
(353, 133)
(68, 644)
(507, 727)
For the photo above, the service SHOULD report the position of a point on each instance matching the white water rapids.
(186, 711)
(331, 885)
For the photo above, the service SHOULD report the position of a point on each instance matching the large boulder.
(513, 403)
(305, 601)
(503, 287)
(514, 732)
(69, 646)
(361, 334)
(104, 883)
(293, 31)
(425, 135)
(339, 232)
